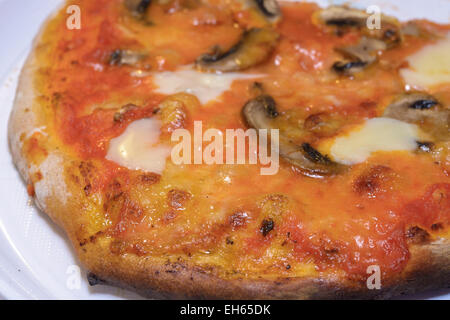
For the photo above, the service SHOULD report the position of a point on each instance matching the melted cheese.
(430, 66)
(378, 134)
(138, 147)
(205, 86)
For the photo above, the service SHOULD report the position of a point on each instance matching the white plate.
(36, 260)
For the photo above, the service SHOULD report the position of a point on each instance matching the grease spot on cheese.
(205, 86)
(138, 148)
(378, 134)
(430, 66)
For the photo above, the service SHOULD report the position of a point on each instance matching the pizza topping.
(138, 8)
(205, 86)
(429, 67)
(424, 110)
(254, 47)
(269, 8)
(260, 113)
(359, 56)
(173, 112)
(126, 57)
(375, 135)
(343, 17)
(138, 147)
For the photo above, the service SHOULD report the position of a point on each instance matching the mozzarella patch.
(430, 66)
(138, 147)
(378, 134)
(205, 86)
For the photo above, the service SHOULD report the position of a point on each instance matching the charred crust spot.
(150, 178)
(238, 219)
(87, 190)
(94, 280)
(177, 199)
(87, 170)
(417, 235)
(437, 226)
(266, 226)
(374, 181)
(93, 238)
(314, 155)
(83, 242)
(229, 241)
(174, 267)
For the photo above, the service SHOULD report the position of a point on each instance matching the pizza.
(241, 149)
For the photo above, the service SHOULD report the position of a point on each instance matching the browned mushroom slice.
(254, 48)
(343, 16)
(126, 57)
(269, 8)
(359, 56)
(137, 7)
(260, 113)
(425, 111)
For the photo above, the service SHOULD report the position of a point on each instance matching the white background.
(34, 254)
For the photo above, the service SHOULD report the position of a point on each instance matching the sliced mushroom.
(343, 16)
(260, 113)
(359, 56)
(255, 47)
(425, 111)
(138, 8)
(126, 57)
(269, 8)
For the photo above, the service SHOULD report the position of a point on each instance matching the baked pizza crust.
(427, 269)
